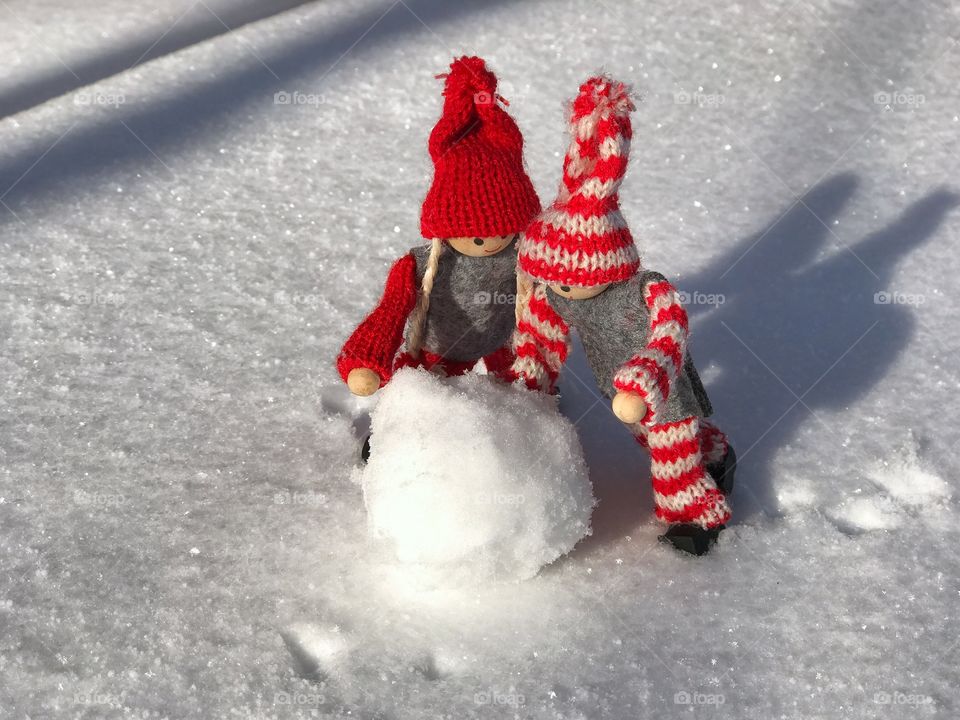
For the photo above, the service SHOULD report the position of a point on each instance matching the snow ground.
(182, 258)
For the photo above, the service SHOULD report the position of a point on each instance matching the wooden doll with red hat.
(581, 270)
(453, 301)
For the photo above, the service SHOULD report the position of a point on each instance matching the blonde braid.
(418, 319)
(524, 293)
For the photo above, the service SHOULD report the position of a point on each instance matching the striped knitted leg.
(713, 443)
(640, 434)
(682, 490)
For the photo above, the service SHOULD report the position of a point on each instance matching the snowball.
(472, 474)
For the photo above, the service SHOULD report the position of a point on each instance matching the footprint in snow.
(865, 514)
(902, 486)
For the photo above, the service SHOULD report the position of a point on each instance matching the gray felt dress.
(472, 302)
(614, 327)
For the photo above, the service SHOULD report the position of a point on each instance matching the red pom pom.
(469, 80)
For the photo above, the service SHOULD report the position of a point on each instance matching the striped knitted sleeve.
(652, 372)
(541, 343)
(375, 342)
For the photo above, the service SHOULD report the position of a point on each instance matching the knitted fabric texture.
(582, 239)
(541, 343)
(680, 446)
(373, 345)
(713, 442)
(480, 187)
(635, 336)
(683, 492)
(471, 304)
(471, 314)
(627, 325)
(657, 371)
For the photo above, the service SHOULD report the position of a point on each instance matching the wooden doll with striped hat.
(453, 300)
(581, 270)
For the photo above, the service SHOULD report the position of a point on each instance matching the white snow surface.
(474, 480)
(182, 257)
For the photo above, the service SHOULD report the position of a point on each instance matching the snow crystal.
(470, 472)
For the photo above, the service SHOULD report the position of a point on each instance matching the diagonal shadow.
(144, 134)
(799, 303)
(201, 22)
(805, 316)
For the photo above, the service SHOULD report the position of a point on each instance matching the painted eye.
(565, 288)
(478, 241)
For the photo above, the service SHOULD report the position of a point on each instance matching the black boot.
(722, 472)
(691, 539)
(365, 450)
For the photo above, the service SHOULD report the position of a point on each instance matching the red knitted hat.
(582, 239)
(479, 185)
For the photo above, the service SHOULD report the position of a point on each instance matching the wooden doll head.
(481, 246)
(572, 292)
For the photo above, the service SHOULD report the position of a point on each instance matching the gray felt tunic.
(472, 302)
(613, 327)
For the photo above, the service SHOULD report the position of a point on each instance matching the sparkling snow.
(183, 252)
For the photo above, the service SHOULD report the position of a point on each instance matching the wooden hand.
(629, 407)
(363, 381)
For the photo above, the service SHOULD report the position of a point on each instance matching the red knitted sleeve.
(375, 342)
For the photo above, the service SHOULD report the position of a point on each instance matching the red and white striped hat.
(583, 239)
